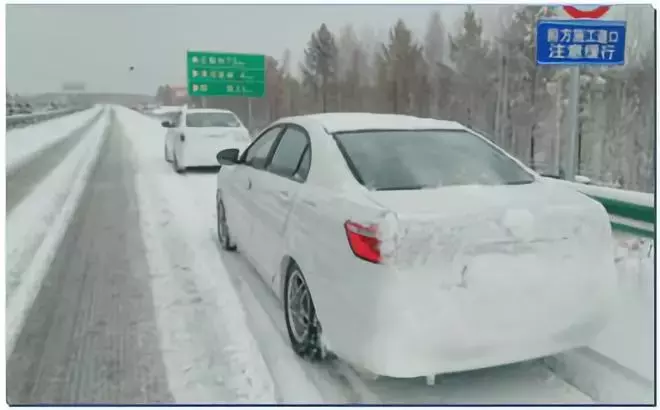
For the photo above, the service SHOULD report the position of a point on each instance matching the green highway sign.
(226, 74)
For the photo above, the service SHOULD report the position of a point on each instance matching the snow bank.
(629, 338)
(634, 197)
(23, 143)
(209, 352)
(37, 225)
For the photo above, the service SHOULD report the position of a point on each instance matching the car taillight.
(364, 241)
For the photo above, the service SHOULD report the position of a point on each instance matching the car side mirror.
(228, 157)
(166, 124)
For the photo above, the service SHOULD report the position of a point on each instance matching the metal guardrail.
(630, 211)
(18, 120)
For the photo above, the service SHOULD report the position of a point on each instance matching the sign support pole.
(572, 163)
(249, 119)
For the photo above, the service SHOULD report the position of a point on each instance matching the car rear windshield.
(212, 119)
(418, 159)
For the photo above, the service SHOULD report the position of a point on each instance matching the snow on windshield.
(416, 159)
(212, 119)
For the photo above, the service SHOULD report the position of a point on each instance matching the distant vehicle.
(413, 247)
(23, 108)
(194, 136)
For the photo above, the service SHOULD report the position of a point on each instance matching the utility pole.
(249, 119)
(572, 162)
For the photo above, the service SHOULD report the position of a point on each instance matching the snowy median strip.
(38, 224)
(209, 352)
(23, 144)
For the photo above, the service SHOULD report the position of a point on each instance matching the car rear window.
(212, 119)
(418, 159)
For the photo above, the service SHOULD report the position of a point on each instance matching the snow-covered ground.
(222, 329)
(210, 355)
(629, 339)
(36, 226)
(23, 143)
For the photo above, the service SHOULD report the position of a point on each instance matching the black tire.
(310, 346)
(224, 237)
(167, 155)
(177, 167)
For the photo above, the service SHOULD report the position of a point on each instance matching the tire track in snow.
(209, 353)
(22, 180)
(89, 336)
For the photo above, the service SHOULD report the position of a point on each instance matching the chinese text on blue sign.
(573, 42)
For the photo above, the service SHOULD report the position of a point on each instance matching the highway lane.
(21, 181)
(90, 336)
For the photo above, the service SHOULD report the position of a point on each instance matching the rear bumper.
(203, 155)
(399, 327)
(199, 158)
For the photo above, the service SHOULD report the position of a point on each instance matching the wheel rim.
(222, 225)
(299, 305)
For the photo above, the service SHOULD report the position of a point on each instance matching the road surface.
(90, 337)
(140, 305)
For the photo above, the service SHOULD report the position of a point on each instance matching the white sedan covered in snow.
(412, 247)
(195, 135)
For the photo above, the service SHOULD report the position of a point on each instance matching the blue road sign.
(580, 42)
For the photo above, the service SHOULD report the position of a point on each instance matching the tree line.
(489, 83)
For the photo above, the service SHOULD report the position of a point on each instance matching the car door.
(175, 120)
(273, 194)
(178, 142)
(239, 199)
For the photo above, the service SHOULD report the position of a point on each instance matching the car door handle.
(249, 186)
(283, 195)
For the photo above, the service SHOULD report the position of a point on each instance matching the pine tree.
(434, 53)
(401, 61)
(320, 66)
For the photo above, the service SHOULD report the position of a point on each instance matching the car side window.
(257, 155)
(304, 165)
(290, 151)
(176, 119)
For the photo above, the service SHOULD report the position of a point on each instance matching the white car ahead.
(194, 136)
(413, 247)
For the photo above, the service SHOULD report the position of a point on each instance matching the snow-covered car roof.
(166, 110)
(343, 122)
(201, 110)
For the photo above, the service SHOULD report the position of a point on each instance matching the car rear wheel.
(301, 322)
(223, 229)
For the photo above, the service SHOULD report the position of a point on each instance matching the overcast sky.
(96, 44)
(50, 44)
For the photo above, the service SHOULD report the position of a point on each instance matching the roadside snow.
(23, 143)
(37, 225)
(209, 352)
(629, 338)
(635, 197)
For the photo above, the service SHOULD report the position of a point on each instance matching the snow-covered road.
(172, 317)
(235, 310)
(24, 143)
